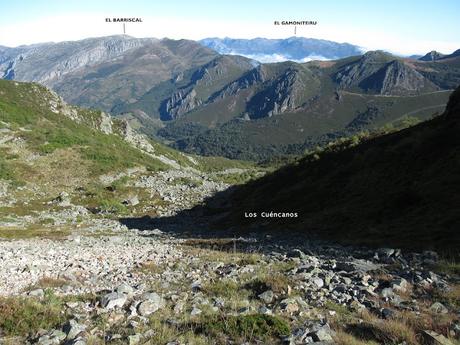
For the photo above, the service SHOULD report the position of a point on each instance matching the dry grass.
(48, 283)
(34, 231)
(227, 257)
(440, 323)
(151, 267)
(73, 171)
(343, 338)
(277, 282)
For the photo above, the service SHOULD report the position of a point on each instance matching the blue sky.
(404, 27)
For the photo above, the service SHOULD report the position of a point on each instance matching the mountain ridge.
(190, 96)
(299, 49)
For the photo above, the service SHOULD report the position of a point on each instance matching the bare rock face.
(105, 123)
(284, 95)
(179, 103)
(59, 59)
(134, 138)
(381, 73)
(396, 78)
(250, 78)
(432, 56)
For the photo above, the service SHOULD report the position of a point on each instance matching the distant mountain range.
(299, 49)
(228, 105)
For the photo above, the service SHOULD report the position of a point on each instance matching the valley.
(131, 170)
(198, 101)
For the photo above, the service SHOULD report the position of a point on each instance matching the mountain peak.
(432, 56)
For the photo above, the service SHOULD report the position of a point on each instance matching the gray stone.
(78, 341)
(134, 339)
(318, 282)
(438, 308)
(195, 311)
(296, 253)
(131, 201)
(219, 302)
(151, 296)
(400, 284)
(387, 313)
(323, 334)
(72, 328)
(148, 307)
(58, 334)
(125, 289)
(267, 296)
(113, 300)
(179, 307)
(346, 280)
(385, 252)
(63, 199)
(264, 310)
(433, 338)
(37, 293)
(47, 340)
(387, 293)
(345, 266)
(289, 305)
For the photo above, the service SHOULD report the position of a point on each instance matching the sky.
(401, 27)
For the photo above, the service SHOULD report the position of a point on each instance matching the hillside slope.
(287, 108)
(59, 161)
(400, 190)
(104, 71)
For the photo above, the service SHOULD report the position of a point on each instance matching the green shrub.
(244, 327)
(112, 206)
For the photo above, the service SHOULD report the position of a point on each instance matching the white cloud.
(269, 58)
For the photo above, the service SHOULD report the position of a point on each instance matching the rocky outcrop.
(179, 103)
(432, 56)
(397, 78)
(250, 78)
(354, 73)
(381, 73)
(44, 62)
(284, 94)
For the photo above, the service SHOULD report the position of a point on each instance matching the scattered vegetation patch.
(150, 267)
(48, 283)
(20, 316)
(243, 328)
(237, 178)
(6, 173)
(187, 181)
(225, 288)
(448, 266)
(450, 298)
(277, 282)
(343, 338)
(384, 332)
(33, 231)
(112, 206)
